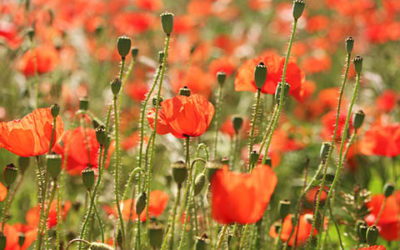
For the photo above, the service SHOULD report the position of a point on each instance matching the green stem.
(58, 219)
(278, 240)
(221, 237)
(380, 212)
(253, 124)
(4, 215)
(171, 226)
(42, 198)
(46, 235)
(216, 118)
(53, 133)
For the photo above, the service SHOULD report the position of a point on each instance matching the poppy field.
(199, 124)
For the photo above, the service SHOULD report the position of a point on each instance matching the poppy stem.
(380, 212)
(216, 118)
(53, 133)
(58, 219)
(4, 214)
(278, 239)
(171, 226)
(42, 184)
(46, 233)
(253, 124)
(221, 237)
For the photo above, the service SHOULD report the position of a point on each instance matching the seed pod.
(53, 165)
(212, 167)
(362, 232)
(358, 61)
(284, 207)
(185, 91)
(237, 123)
(167, 21)
(278, 91)
(358, 119)
(88, 177)
(221, 77)
(101, 135)
(55, 110)
(134, 52)
(155, 234)
(326, 146)
(140, 203)
(179, 172)
(349, 44)
(388, 189)
(21, 239)
(84, 103)
(260, 75)
(199, 183)
(154, 101)
(372, 235)
(253, 158)
(298, 8)
(31, 33)
(116, 86)
(23, 164)
(124, 46)
(268, 161)
(10, 174)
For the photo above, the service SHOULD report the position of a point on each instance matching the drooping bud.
(124, 46)
(140, 203)
(167, 21)
(3, 241)
(284, 207)
(116, 86)
(388, 189)
(23, 164)
(88, 178)
(55, 110)
(134, 52)
(323, 153)
(372, 235)
(101, 135)
(237, 123)
(298, 8)
(185, 91)
(21, 239)
(253, 158)
(10, 174)
(199, 183)
(84, 103)
(179, 172)
(212, 167)
(160, 57)
(358, 119)
(156, 233)
(53, 165)
(349, 44)
(260, 75)
(221, 77)
(358, 61)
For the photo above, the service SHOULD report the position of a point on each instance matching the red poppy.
(33, 214)
(137, 91)
(12, 234)
(78, 144)
(376, 247)
(303, 230)
(389, 222)
(223, 64)
(198, 81)
(382, 140)
(244, 80)
(227, 127)
(183, 116)
(317, 64)
(387, 101)
(132, 141)
(41, 60)
(329, 121)
(133, 23)
(239, 197)
(151, 5)
(3, 192)
(313, 194)
(31, 135)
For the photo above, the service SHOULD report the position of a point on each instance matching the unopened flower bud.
(179, 172)
(156, 234)
(23, 164)
(101, 135)
(99, 246)
(199, 183)
(160, 57)
(221, 77)
(185, 91)
(53, 165)
(140, 203)
(116, 86)
(284, 207)
(362, 232)
(55, 110)
(10, 174)
(154, 101)
(253, 158)
(124, 46)
(323, 153)
(134, 52)
(167, 21)
(278, 91)
(237, 123)
(298, 8)
(260, 75)
(84, 103)
(358, 61)
(212, 167)
(372, 235)
(88, 177)
(358, 119)
(3, 241)
(388, 189)
(349, 44)
(21, 239)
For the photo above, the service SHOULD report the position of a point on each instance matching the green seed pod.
(23, 164)
(55, 110)
(254, 158)
(358, 61)
(362, 232)
(161, 57)
(179, 172)
(140, 203)
(10, 174)
(167, 21)
(278, 91)
(134, 52)
(84, 103)
(237, 123)
(124, 46)
(372, 235)
(284, 207)
(212, 167)
(349, 44)
(101, 135)
(323, 153)
(185, 91)
(21, 239)
(201, 242)
(30, 32)
(53, 165)
(199, 183)
(116, 86)
(156, 233)
(154, 100)
(358, 119)
(260, 75)
(268, 161)
(388, 189)
(88, 178)
(3, 241)
(99, 246)
(298, 8)
(221, 77)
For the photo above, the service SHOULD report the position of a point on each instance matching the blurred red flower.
(329, 121)
(31, 135)
(133, 22)
(197, 80)
(12, 234)
(239, 197)
(227, 127)
(387, 101)
(381, 140)
(223, 64)
(41, 60)
(137, 91)
(33, 214)
(151, 5)
(3, 192)
(376, 247)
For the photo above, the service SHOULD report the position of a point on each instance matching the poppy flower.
(183, 116)
(33, 214)
(198, 81)
(244, 80)
(133, 23)
(389, 222)
(223, 64)
(132, 141)
(387, 101)
(329, 121)
(303, 230)
(137, 91)
(376, 247)
(41, 60)
(82, 149)
(313, 194)
(31, 135)
(3, 192)
(382, 140)
(12, 234)
(151, 5)
(317, 64)
(239, 197)
(158, 201)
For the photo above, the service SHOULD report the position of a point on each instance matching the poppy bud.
(155, 234)
(134, 52)
(101, 135)
(116, 86)
(237, 123)
(349, 44)
(362, 232)
(84, 103)
(30, 32)
(199, 183)
(184, 91)
(154, 100)
(201, 242)
(23, 164)
(358, 119)
(284, 207)
(179, 172)
(253, 158)
(268, 161)
(3, 241)
(10, 174)
(388, 189)
(323, 153)
(167, 21)
(372, 235)
(221, 77)
(358, 60)
(140, 203)
(88, 177)
(298, 8)
(21, 239)
(260, 75)
(212, 167)
(54, 165)
(55, 110)
(123, 45)
(278, 91)
(99, 246)
(160, 57)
